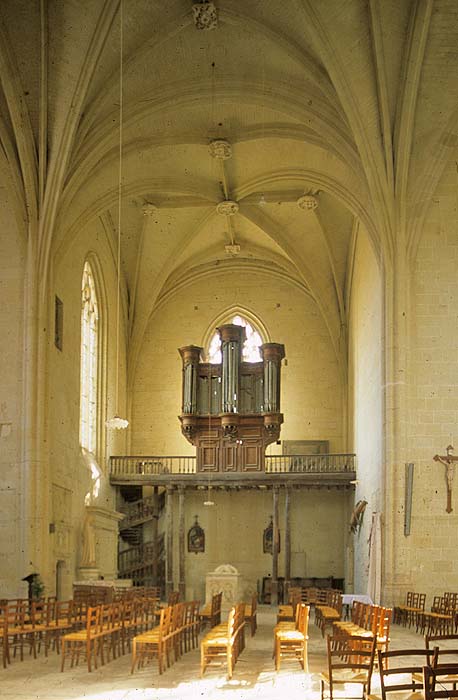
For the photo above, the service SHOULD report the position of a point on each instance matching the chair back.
(303, 618)
(396, 669)
(352, 653)
(435, 640)
(436, 682)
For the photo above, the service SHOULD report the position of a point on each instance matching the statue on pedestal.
(88, 557)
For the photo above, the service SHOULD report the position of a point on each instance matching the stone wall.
(428, 555)
(311, 397)
(234, 535)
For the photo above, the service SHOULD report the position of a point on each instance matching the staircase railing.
(135, 559)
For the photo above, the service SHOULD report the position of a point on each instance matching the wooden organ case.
(231, 411)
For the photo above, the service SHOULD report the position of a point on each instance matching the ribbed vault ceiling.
(354, 101)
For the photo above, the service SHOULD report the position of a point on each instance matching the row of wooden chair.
(291, 637)
(408, 614)
(29, 624)
(367, 621)
(442, 618)
(108, 631)
(224, 642)
(176, 633)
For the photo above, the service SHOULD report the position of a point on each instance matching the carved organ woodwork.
(231, 411)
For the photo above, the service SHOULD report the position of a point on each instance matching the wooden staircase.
(143, 562)
(138, 563)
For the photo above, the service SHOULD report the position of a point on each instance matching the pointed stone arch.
(227, 316)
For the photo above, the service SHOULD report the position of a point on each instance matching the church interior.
(229, 318)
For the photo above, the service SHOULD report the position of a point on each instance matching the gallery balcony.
(312, 471)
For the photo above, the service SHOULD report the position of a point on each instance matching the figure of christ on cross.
(448, 461)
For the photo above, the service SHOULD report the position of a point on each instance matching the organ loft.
(231, 411)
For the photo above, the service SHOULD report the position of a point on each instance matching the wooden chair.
(251, 614)
(224, 642)
(59, 621)
(350, 662)
(177, 630)
(16, 633)
(287, 613)
(154, 643)
(400, 613)
(291, 642)
(401, 672)
(439, 621)
(88, 641)
(211, 612)
(191, 625)
(435, 682)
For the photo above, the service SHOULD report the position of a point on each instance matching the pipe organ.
(231, 411)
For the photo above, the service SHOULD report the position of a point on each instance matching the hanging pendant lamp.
(116, 422)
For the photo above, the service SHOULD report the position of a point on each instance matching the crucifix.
(448, 460)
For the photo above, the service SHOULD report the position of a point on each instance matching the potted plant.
(37, 587)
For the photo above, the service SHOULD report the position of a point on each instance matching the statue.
(88, 559)
(448, 462)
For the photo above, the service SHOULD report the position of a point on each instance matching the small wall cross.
(448, 461)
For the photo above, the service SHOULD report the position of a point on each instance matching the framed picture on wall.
(268, 538)
(196, 538)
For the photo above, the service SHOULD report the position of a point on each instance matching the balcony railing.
(139, 466)
(310, 464)
(135, 466)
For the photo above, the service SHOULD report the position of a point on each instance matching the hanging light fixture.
(118, 423)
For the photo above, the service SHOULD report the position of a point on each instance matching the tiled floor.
(254, 676)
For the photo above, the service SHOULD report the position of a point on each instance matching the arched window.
(250, 351)
(89, 352)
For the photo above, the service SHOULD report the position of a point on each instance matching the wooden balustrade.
(144, 466)
(315, 464)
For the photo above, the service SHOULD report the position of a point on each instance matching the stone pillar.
(397, 575)
(181, 545)
(287, 537)
(232, 339)
(275, 541)
(272, 355)
(190, 354)
(155, 543)
(169, 541)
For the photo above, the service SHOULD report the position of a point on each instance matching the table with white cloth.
(349, 598)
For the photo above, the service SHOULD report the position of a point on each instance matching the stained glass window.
(250, 351)
(89, 343)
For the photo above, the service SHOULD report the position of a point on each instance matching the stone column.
(181, 545)
(190, 355)
(275, 541)
(287, 537)
(232, 339)
(154, 541)
(397, 576)
(169, 541)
